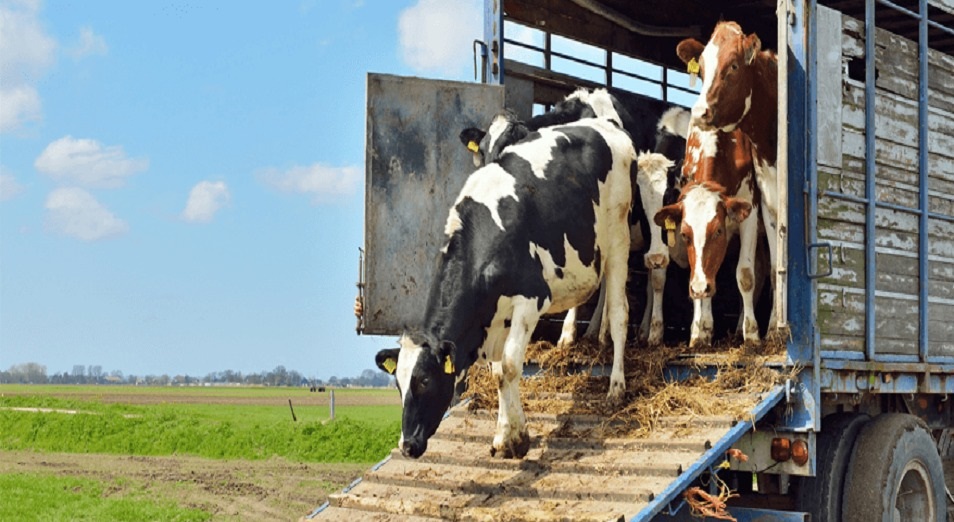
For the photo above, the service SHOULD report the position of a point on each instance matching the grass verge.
(29, 497)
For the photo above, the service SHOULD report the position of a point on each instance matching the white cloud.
(26, 54)
(89, 43)
(18, 105)
(321, 182)
(75, 213)
(438, 35)
(88, 163)
(205, 199)
(9, 186)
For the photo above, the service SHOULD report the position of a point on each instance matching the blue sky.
(181, 183)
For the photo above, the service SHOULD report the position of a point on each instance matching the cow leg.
(511, 439)
(646, 323)
(657, 280)
(568, 333)
(596, 326)
(771, 226)
(617, 309)
(701, 331)
(745, 276)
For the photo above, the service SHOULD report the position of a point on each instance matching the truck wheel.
(821, 495)
(895, 473)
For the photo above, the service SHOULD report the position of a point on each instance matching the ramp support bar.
(711, 457)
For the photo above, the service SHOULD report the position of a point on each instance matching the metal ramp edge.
(663, 502)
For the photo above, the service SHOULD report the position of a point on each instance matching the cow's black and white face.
(505, 130)
(425, 375)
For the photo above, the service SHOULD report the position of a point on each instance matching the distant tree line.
(34, 373)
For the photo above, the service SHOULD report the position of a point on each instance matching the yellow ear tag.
(670, 232)
(693, 68)
(473, 147)
(389, 365)
(448, 366)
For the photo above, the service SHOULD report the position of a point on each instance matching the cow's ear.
(689, 49)
(669, 216)
(471, 137)
(387, 360)
(447, 355)
(752, 46)
(738, 209)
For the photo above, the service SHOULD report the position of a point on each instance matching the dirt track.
(274, 489)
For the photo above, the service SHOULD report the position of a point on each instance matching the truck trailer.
(860, 419)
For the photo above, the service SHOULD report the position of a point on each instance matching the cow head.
(726, 65)
(701, 216)
(505, 129)
(425, 373)
(652, 179)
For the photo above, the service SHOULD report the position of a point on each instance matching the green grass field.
(246, 424)
(197, 421)
(42, 497)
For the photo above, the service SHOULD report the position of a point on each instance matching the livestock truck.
(865, 273)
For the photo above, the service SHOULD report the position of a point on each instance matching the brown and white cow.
(716, 203)
(740, 91)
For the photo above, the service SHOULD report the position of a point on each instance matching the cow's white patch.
(497, 127)
(407, 360)
(487, 186)
(539, 152)
(700, 207)
(601, 102)
(710, 64)
(578, 281)
(708, 142)
(675, 121)
(453, 223)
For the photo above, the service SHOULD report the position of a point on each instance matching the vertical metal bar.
(811, 172)
(924, 267)
(665, 84)
(609, 68)
(870, 194)
(792, 169)
(493, 36)
(547, 50)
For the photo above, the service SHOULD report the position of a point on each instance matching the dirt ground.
(231, 490)
(273, 489)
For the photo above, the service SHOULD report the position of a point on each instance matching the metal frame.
(607, 68)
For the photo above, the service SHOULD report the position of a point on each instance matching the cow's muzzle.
(413, 448)
(654, 261)
(701, 289)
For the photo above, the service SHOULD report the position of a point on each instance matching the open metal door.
(415, 166)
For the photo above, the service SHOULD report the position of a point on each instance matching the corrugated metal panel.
(415, 166)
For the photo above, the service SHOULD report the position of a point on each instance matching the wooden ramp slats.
(634, 462)
(579, 467)
(531, 481)
(552, 448)
(337, 514)
(452, 505)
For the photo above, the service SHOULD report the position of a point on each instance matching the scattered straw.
(567, 383)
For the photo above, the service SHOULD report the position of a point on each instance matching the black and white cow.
(532, 233)
(651, 124)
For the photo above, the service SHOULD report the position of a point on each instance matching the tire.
(821, 495)
(895, 473)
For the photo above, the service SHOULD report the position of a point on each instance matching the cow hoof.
(513, 449)
(753, 342)
(655, 339)
(699, 343)
(616, 395)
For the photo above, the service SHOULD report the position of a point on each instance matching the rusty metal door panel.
(415, 166)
